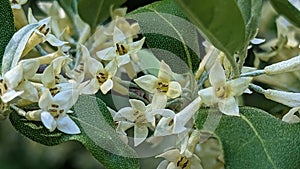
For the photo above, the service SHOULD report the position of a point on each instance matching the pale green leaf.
(97, 134)
(95, 12)
(220, 21)
(169, 35)
(16, 46)
(255, 140)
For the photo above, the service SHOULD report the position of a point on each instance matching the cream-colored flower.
(54, 111)
(15, 82)
(121, 50)
(162, 87)
(176, 160)
(101, 76)
(139, 116)
(223, 92)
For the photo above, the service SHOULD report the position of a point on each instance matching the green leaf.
(220, 21)
(6, 25)
(285, 8)
(169, 35)
(16, 46)
(95, 12)
(256, 140)
(251, 10)
(97, 134)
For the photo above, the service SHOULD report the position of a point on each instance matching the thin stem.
(253, 73)
(20, 112)
(257, 88)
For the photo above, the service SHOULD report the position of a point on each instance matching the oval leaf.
(97, 134)
(220, 21)
(256, 140)
(169, 35)
(6, 25)
(95, 12)
(16, 46)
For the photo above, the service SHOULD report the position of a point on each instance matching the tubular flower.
(54, 111)
(139, 116)
(121, 50)
(101, 76)
(222, 93)
(162, 87)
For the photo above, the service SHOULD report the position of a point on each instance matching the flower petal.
(290, 117)
(195, 162)
(14, 76)
(159, 100)
(238, 86)
(45, 99)
(185, 115)
(91, 88)
(229, 106)
(9, 95)
(134, 47)
(164, 127)
(106, 86)
(208, 96)
(174, 90)
(147, 82)
(93, 66)
(217, 75)
(127, 113)
(119, 36)
(165, 71)
(170, 155)
(106, 54)
(140, 134)
(123, 59)
(137, 105)
(54, 41)
(48, 121)
(30, 92)
(48, 78)
(67, 125)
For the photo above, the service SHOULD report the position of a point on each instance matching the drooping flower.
(54, 111)
(223, 92)
(139, 116)
(121, 50)
(162, 87)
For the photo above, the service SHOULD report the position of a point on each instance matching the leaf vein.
(260, 140)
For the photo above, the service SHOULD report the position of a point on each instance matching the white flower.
(121, 50)
(15, 82)
(42, 33)
(175, 160)
(101, 76)
(139, 116)
(54, 111)
(222, 92)
(161, 86)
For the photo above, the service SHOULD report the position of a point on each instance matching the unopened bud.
(284, 66)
